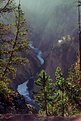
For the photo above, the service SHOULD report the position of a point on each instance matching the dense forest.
(49, 70)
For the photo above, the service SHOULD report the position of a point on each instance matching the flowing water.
(23, 88)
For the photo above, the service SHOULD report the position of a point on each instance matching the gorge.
(23, 88)
(48, 23)
(39, 60)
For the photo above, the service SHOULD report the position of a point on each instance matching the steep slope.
(63, 56)
(24, 72)
(49, 21)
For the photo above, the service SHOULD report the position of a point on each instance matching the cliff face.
(50, 21)
(24, 72)
(63, 56)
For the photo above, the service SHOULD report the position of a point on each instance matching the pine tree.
(44, 94)
(74, 85)
(67, 95)
(6, 6)
(60, 94)
(74, 74)
(13, 40)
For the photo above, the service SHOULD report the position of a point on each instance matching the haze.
(49, 20)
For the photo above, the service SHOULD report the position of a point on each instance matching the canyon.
(48, 23)
(52, 31)
(53, 42)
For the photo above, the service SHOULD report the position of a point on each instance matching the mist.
(49, 20)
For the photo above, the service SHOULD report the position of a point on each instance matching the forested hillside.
(40, 76)
(49, 23)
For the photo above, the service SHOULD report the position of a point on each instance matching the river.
(23, 88)
(38, 52)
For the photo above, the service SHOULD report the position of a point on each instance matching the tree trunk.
(63, 103)
(46, 103)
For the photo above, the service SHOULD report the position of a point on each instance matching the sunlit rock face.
(63, 56)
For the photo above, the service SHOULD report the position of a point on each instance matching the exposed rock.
(47, 27)
(24, 72)
(63, 56)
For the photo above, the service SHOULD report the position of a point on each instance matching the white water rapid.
(38, 52)
(23, 88)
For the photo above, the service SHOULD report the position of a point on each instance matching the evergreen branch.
(4, 9)
(16, 38)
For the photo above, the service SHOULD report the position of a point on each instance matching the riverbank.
(25, 87)
(25, 117)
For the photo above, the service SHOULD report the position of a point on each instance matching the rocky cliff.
(50, 20)
(63, 56)
(24, 72)
(48, 24)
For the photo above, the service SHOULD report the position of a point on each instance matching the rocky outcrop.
(63, 56)
(24, 72)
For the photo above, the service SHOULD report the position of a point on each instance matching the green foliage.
(67, 95)
(74, 86)
(60, 95)
(74, 74)
(62, 98)
(60, 81)
(6, 6)
(4, 88)
(44, 94)
(13, 41)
